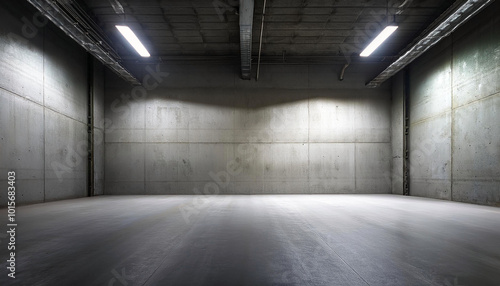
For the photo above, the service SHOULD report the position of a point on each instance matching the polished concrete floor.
(255, 240)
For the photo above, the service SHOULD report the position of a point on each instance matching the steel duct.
(246, 22)
(449, 21)
(71, 19)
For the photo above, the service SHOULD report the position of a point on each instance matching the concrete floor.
(256, 240)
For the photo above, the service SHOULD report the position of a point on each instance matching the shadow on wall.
(221, 86)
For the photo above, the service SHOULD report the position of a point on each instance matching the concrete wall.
(297, 130)
(43, 108)
(455, 115)
(397, 134)
(99, 124)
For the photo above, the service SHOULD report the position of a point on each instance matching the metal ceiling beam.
(71, 20)
(447, 23)
(246, 22)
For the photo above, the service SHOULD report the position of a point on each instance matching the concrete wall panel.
(485, 192)
(99, 125)
(22, 146)
(475, 64)
(397, 134)
(281, 136)
(372, 115)
(373, 168)
(22, 53)
(331, 117)
(43, 107)
(454, 114)
(99, 94)
(124, 188)
(332, 167)
(66, 144)
(430, 83)
(122, 111)
(65, 92)
(476, 156)
(124, 162)
(430, 157)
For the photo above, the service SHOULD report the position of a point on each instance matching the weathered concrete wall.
(203, 129)
(454, 115)
(43, 108)
(430, 123)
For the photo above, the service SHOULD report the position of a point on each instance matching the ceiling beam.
(459, 13)
(246, 22)
(69, 18)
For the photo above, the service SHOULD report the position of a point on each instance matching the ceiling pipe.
(447, 23)
(260, 40)
(73, 21)
(341, 77)
(246, 22)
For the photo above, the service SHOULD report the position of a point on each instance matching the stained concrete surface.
(256, 240)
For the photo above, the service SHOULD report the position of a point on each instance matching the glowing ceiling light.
(130, 36)
(378, 40)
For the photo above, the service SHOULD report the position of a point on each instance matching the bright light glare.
(378, 40)
(133, 40)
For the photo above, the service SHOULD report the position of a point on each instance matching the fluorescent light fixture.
(378, 40)
(129, 35)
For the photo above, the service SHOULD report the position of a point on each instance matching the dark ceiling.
(294, 28)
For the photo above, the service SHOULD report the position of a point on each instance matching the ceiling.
(310, 30)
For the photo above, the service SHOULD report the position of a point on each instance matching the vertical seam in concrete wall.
(452, 118)
(406, 132)
(308, 140)
(43, 111)
(391, 174)
(308, 78)
(103, 102)
(308, 134)
(355, 166)
(358, 98)
(90, 127)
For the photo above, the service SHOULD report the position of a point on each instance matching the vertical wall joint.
(90, 126)
(406, 132)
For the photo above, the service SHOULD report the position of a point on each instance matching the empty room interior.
(250, 142)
